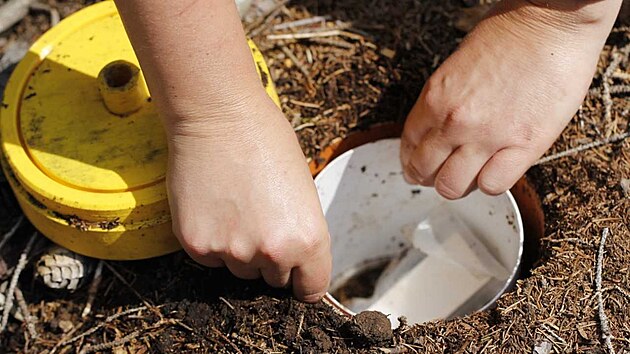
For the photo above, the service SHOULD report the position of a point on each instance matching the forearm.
(586, 11)
(193, 54)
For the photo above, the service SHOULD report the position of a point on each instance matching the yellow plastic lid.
(84, 148)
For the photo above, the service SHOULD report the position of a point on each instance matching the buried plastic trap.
(404, 250)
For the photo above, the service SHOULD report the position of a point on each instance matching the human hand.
(241, 196)
(504, 96)
(239, 189)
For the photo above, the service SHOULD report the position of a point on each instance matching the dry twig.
(603, 319)
(26, 313)
(225, 338)
(93, 290)
(309, 80)
(306, 35)
(227, 303)
(102, 324)
(596, 92)
(623, 291)
(254, 28)
(301, 23)
(126, 339)
(12, 12)
(14, 280)
(597, 143)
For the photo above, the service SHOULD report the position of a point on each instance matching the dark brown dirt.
(361, 284)
(349, 83)
(372, 327)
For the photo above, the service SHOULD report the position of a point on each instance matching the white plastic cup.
(446, 258)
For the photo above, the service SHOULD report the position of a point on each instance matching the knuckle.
(273, 249)
(240, 253)
(193, 241)
(197, 250)
(312, 239)
(460, 117)
(431, 96)
(199, 244)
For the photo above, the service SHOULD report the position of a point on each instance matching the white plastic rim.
(368, 205)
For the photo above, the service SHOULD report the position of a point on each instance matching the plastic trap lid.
(84, 149)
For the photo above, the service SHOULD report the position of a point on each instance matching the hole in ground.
(364, 280)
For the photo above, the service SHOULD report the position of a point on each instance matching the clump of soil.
(373, 327)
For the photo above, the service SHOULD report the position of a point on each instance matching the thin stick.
(109, 345)
(6, 237)
(271, 13)
(300, 23)
(225, 338)
(606, 80)
(125, 339)
(26, 313)
(553, 334)
(603, 319)
(621, 75)
(8, 304)
(596, 92)
(298, 63)
(93, 290)
(102, 324)
(332, 33)
(625, 292)
(597, 143)
(226, 302)
(300, 325)
(12, 12)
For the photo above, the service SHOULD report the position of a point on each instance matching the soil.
(329, 87)
(361, 284)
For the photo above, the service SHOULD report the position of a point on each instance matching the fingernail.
(313, 298)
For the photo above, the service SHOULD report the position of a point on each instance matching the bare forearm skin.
(194, 56)
(581, 12)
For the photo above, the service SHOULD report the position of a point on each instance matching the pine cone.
(59, 268)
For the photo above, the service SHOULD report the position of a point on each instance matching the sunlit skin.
(240, 193)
